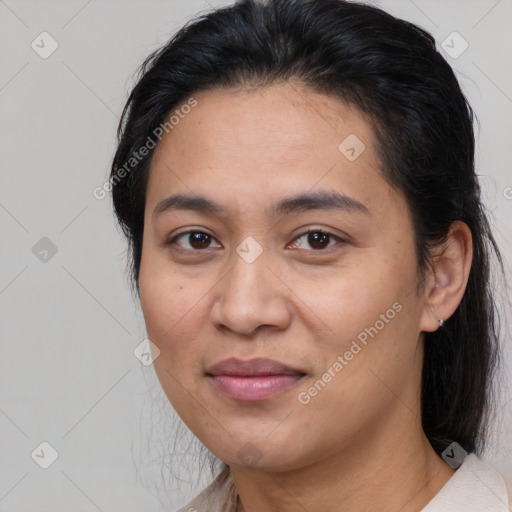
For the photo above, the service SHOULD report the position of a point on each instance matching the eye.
(197, 240)
(318, 239)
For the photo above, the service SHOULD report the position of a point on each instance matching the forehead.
(263, 142)
(283, 119)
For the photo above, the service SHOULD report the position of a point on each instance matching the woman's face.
(341, 312)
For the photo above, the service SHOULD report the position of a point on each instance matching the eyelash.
(305, 233)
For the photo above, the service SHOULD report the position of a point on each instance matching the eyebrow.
(321, 200)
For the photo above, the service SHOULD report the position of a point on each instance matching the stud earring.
(440, 321)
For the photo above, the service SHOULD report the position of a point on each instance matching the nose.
(250, 296)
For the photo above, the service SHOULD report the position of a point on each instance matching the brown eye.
(197, 240)
(318, 240)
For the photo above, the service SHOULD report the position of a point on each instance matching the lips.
(253, 380)
(253, 367)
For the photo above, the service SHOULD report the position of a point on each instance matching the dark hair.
(390, 70)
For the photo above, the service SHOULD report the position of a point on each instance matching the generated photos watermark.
(358, 343)
(138, 155)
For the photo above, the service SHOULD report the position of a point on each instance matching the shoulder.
(219, 496)
(474, 487)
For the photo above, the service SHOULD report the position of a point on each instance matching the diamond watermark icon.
(44, 455)
(44, 45)
(454, 455)
(249, 249)
(146, 352)
(351, 147)
(249, 454)
(455, 45)
(44, 250)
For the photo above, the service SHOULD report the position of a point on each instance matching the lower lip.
(254, 388)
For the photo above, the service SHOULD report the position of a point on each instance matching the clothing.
(474, 487)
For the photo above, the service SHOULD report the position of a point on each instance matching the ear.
(447, 281)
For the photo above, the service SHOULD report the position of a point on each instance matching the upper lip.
(252, 367)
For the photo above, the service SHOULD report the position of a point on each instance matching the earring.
(440, 321)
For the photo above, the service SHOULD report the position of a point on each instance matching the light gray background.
(69, 325)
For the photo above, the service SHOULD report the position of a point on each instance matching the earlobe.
(450, 272)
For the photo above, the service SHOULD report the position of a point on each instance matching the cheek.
(170, 308)
(351, 297)
(172, 316)
(171, 304)
(371, 319)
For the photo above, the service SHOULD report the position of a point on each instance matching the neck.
(398, 470)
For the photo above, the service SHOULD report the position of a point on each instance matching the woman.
(297, 185)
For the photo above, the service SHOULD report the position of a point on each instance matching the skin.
(358, 444)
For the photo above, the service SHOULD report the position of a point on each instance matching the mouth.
(253, 380)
